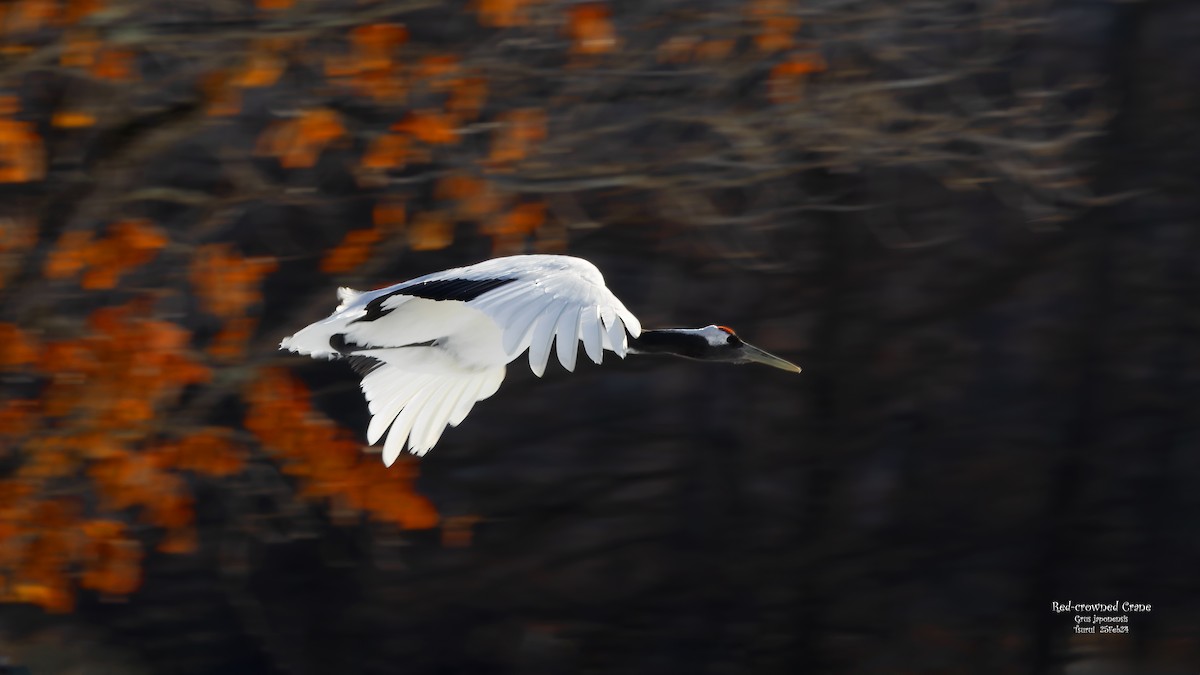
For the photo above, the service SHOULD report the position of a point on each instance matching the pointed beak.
(752, 353)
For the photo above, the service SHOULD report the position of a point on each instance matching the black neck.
(679, 342)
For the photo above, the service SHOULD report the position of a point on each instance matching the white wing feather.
(616, 337)
(520, 329)
(543, 336)
(591, 333)
(550, 280)
(566, 342)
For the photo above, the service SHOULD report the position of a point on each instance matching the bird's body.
(430, 348)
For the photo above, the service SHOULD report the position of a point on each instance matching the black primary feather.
(363, 364)
(462, 290)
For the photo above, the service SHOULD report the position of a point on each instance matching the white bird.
(430, 348)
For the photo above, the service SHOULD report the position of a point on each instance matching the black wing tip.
(363, 365)
(462, 290)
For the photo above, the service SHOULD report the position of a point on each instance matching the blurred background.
(973, 223)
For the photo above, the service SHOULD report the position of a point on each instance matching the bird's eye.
(733, 340)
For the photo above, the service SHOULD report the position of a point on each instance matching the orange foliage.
(179, 541)
(523, 219)
(714, 50)
(590, 29)
(129, 244)
(329, 463)
(474, 199)
(786, 82)
(135, 480)
(227, 283)
(274, 5)
(22, 158)
(467, 96)
(12, 49)
(113, 64)
(299, 142)
(80, 48)
(430, 232)
(72, 120)
(30, 15)
(797, 66)
(354, 250)
(262, 68)
(69, 256)
(377, 40)
(230, 344)
(428, 127)
(111, 559)
(370, 66)
(138, 235)
(103, 392)
(434, 67)
(16, 348)
(51, 596)
(127, 478)
(389, 215)
(208, 452)
(17, 235)
(220, 96)
(118, 374)
(777, 28)
(458, 187)
(389, 151)
(37, 545)
(502, 13)
(520, 130)
(78, 10)
(510, 231)
(18, 418)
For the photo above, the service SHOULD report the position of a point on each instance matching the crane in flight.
(430, 348)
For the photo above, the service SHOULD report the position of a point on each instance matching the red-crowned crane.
(430, 348)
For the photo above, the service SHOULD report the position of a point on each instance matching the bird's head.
(725, 345)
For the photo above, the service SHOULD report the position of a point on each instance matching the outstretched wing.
(562, 300)
(413, 393)
(536, 301)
